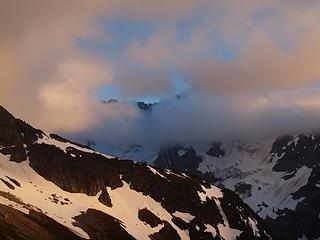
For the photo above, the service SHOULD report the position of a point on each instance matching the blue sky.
(119, 34)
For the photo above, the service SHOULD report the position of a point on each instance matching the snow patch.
(212, 192)
(155, 172)
(187, 217)
(181, 152)
(46, 139)
(253, 164)
(254, 227)
(211, 230)
(224, 229)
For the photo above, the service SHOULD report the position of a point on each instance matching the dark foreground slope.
(35, 225)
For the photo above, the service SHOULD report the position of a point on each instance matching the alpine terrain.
(278, 178)
(52, 188)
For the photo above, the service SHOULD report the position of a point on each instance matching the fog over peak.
(250, 70)
(199, 118)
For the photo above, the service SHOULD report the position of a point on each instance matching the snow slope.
(252, 164)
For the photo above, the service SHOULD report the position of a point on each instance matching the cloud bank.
(204, 118)
(251, 68)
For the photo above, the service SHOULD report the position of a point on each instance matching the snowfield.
(41, 195)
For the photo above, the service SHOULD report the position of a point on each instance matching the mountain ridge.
(73, 185)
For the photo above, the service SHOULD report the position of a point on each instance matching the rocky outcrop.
(104, 198)
(148, 217)
(87, 174)
(14, 135)
(101, 226)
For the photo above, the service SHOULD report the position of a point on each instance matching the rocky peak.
(145, 106)
(15, 135)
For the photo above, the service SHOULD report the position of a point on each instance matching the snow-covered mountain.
(51, 188)
(278, 178)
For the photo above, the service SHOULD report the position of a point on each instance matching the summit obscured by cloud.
(250, 69)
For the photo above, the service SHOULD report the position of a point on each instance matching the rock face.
(14, 134)
(101, 197)
(184, 159)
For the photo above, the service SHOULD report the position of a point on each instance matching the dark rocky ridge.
(90, 173)
(36, 226)
(93, 172)
(14, 133)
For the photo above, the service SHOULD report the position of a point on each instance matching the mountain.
(52, 188)
(278, 178)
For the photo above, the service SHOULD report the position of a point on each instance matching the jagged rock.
(15, 135)
(104, 198)
(148, 217)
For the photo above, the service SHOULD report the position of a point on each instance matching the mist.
(199, 118)
(251, 72)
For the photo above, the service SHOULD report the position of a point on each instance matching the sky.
(246, 69)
